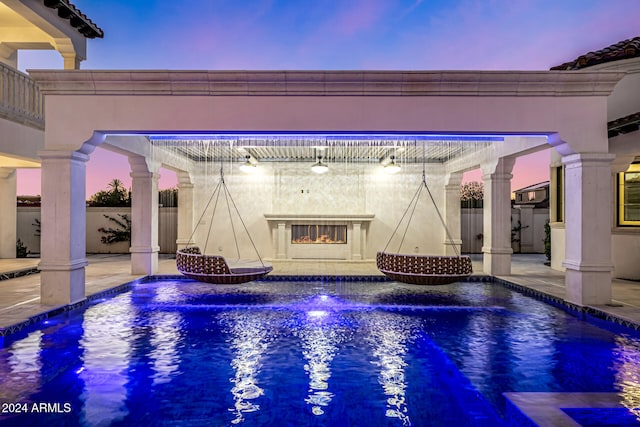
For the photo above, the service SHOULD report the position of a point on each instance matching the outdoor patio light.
(392, 167)
(248, 166)
(320, 166)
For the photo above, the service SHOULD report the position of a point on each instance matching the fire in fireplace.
(319, 234)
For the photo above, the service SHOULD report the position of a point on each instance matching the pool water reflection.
(308, 353)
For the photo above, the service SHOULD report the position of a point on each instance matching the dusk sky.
(339, 35)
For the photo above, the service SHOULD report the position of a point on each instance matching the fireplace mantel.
(320, 217)
(357, 227)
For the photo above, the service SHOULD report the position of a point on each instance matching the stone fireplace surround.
(354, 249)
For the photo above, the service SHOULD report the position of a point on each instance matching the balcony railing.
(20, 98)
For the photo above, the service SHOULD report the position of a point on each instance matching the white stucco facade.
(531, 110)
(624, 149)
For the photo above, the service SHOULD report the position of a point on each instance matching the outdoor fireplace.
(329, 234)
(319, 236)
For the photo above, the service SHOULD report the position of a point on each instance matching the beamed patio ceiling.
(356, 148)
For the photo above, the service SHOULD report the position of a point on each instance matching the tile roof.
(622, 125)
(622, 50)
(77, 19)
(533, 187)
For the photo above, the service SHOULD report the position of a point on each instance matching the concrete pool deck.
(20, 296)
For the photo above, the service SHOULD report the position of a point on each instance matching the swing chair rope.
(414, 203)
(222, 186)
(244, 226)
(410, 218)
(233, 229)
(202, 215)
(215, 207)
(444, 224)
(401, 219)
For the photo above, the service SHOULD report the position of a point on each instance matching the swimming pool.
(178, 352)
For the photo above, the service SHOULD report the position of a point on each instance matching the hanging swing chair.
(192, 263)
(423, 269)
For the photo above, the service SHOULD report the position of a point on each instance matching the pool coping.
(587, 313)
(19, 273)
(547, 408)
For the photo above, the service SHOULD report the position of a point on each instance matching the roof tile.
(622, 50)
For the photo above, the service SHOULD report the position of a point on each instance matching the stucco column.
(63, 224)
(588, 228)
(452, 213)
(144, 216)
(185, 210)
(8, 213)
(497, 217)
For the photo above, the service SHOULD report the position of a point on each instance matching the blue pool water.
(308, 354)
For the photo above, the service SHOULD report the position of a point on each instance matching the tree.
(115, 195)
(547, 242)
(21, 249)
(472, 194)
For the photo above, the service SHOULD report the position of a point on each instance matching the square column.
(8, 213)
(588, 228)
(64, 216)
(144, 217)
(497, 218)
(185, 211)
(452, 214)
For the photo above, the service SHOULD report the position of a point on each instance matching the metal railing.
(20, 98)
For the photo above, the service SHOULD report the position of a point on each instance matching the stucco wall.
(624, 100)
(20, 140)
(472, 228)
(625, 247)
(167, 226)
(291, 188)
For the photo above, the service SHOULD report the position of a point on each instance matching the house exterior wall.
(623, 101)
(625, 250)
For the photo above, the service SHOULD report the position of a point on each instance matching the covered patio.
(123, 110)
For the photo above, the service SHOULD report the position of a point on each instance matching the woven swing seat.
(424, 269)
(215, 268)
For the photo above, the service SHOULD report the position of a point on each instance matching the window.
(559, 178)
(629, 196)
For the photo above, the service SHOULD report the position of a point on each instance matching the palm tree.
(116, 195)
(116, 185)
